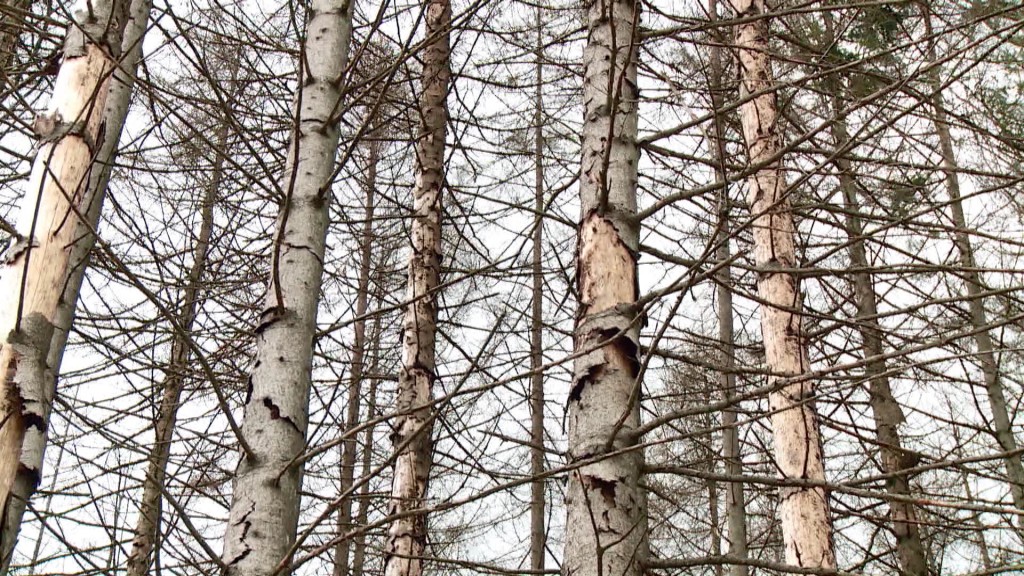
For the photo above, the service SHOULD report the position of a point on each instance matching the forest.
(511, 287)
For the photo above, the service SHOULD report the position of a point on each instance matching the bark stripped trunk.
(804, 511)
(1001, 422)
(885, 409)
(537, 533)
(348, 452)
(36, 270)
(735, 504)
(148, 525)
(407, 536)
(265, 503)
(606, 529)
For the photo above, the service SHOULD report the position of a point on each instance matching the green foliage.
(878, 26)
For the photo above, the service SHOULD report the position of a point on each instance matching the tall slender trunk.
(359, 549)
(265, 503)
(537, 532)
(1001, 422)
(348, 452)
(735, 504)
(59, 195)
(606, 528)
(148, 524)
(407, 534)
(885, 409)
(804, 511)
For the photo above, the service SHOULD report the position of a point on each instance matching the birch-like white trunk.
(41, 272)
(606, 528)
(804, 511)
(265, 502)
(407, 535)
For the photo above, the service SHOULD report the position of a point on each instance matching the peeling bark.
(606, 529)
(804, 511)
(407, 536)
(60, 194)
(265, 502)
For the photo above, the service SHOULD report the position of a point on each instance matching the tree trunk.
(886, 411)
(1003, 428)
(537, 532)
(359, 549)
(407, 535)
(265, 503)
(606, 529)
(348, 452)
(60, 194)
(804, 511)
(735, 504)
(148, 524)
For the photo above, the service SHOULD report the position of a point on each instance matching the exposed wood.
(803, 511)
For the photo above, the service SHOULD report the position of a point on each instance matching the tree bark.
(148, 525)
(885, 409)
(537, 532)
(974, 285)
(265, 503)
(804, 511)
(606, 529)
(735, 504)
(407, 535)
(42, 267)
(348, 452)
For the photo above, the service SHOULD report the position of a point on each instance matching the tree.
(803, 509)
(40, 261)
(265, 500)
(606, 528)
(413, 423)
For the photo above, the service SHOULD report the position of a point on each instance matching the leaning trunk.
(265, 503)
(407, 534)
(803, 510)
(606, 529)
(148, 523)
(42, 270)
(1003, 427)
(886, 411)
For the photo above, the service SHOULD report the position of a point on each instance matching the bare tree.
(265, 502)
(606, 528)
(413, 424)
(39, 262)
(804, 510)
